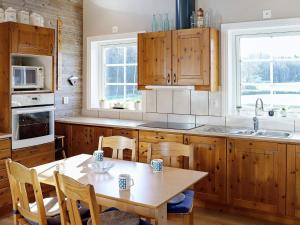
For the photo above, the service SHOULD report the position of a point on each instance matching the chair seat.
(51, 206)
(185, 206)
(113, 216)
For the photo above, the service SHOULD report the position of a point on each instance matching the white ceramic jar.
(23, 17)
(2, 15)
(36, 19)
(11, 14)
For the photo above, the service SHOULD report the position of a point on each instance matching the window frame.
(231, 34)
(91, 90)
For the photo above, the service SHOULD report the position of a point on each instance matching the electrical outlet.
(115, 29)
(267, 14)
(65, 100)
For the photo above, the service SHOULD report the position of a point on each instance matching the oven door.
(32, 126)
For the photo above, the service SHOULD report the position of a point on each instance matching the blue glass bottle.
(184, 9)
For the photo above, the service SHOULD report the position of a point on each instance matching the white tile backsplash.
(175, 118)
(182, 101)
(233, 121)
(297, 125)
(164, 101)
(90, 113)
(126, 115)
(199, 103)
(109, 114)
(211, 120)
(155, 117)
(151, 101)
(215, 103)
(284, 124)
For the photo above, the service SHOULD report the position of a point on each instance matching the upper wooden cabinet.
(257, 175)
(182, 57)
(27, 39)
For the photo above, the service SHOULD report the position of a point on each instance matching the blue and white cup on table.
(98, 155)
(157, 165)
(125, 182)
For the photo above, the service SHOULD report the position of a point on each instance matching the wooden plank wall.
(70, 11)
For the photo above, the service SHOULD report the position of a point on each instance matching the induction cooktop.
(175, 126)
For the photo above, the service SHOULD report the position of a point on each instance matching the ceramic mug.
(98, 155)
(125, 182)
(157, 165)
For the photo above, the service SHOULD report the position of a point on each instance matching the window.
(269, 68)
(112, 71)
(261, 60)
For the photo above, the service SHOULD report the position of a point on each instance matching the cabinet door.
(148, 137)
(85, 139)
(129, 134)
(293, 181)
(154, 58)
(27, 39)
(210, 156)
(65, 130)
(191, 57)
(257, 175)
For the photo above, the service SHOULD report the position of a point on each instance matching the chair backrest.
(172, 153)
(69, 194)
(118, 144)
(19, 177)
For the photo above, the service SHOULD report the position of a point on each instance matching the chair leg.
(188, 219)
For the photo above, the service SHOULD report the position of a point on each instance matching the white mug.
(125, 182)
(98, 155)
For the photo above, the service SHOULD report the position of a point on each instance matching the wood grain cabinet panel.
(293, 181)
(148, 137)
(257, 175)
(154, 58)
(210, 156)
(27, 39)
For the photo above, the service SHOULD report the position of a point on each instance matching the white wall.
(136, 15)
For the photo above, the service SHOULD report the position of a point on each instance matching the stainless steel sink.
(279, 134)
(261, 133)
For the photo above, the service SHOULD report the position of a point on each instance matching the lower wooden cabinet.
(210, 156)
(148, 137)
(293, 181)
(257, 175)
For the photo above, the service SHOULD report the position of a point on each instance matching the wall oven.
(32, 120)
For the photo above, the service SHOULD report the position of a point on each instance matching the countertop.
(4, 136)
(206, 130)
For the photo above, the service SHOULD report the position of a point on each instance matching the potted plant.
(102, 103)
(138, 105)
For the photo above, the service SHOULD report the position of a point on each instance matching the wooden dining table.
(149, 195)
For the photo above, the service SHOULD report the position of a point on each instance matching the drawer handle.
(175, 80)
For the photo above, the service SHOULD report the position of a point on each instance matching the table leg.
(161, 215)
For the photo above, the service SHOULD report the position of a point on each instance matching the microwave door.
(18, 77)
(31, 77)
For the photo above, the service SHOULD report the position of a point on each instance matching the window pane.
(255, 72)
(114, 74)
(255, 48)
(131, 55)
(131, 76)
(132, 92)
(114, 92)
(114, 55)
(286, 71)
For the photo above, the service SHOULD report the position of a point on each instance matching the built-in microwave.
(27, 77)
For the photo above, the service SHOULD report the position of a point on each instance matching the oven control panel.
(32, 100)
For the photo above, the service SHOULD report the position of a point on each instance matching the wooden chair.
(25, 212)
(69, 193)
(174, 154)
(118, 144)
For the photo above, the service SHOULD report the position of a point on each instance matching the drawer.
(155, 137)
(5, 144)
(5, 153)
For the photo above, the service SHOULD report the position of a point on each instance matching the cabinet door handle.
(168, 79)
(174, 78)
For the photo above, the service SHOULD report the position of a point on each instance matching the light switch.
(115, 29)
(267, 14)
(65, 100)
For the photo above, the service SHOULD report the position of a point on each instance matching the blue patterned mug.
(98, 155)
(125, 182)
(157, 165)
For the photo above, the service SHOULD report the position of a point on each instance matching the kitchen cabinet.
(148, 137)
(293, 181)
(154, 58)
(28, 39)
(257, 175)
(210, 156)
(183, 57)
(5, 196)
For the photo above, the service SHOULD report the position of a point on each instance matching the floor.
(202, 217)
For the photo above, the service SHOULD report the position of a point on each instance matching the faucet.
(257, 109)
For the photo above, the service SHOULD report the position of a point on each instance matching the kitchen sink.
(261, 133)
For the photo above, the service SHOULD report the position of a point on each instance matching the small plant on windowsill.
(138, 105)
(102, 103)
